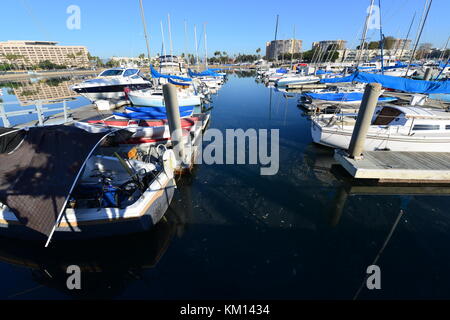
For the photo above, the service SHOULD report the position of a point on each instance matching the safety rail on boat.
(39, 109)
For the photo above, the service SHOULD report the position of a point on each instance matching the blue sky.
(113, 27)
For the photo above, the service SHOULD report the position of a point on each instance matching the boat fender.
(169, 163)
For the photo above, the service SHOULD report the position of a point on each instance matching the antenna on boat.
(185, 41)
(145, 28)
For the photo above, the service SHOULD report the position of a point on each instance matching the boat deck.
(389, 166)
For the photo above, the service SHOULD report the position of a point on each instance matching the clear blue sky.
(113, 27)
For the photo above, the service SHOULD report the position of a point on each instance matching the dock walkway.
(390, 166)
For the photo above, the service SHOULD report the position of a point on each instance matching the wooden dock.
(394, 167)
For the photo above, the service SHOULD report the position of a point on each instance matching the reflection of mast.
(400, 214)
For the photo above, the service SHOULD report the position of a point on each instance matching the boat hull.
(158, 101)
(340, 139)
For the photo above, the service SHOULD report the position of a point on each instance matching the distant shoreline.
(24, 76)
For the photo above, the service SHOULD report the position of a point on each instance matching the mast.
(206, 48)
(444, 49)
(407, 35)
(364, 34)
(381, 40)
(419, 35)
(185, 41)
(276, 33)
(145, 28)
(196, 43)
(292, 49)
(162, 35)
(170, 35)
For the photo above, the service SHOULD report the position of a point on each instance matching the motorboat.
(155, 98)
(111, 84)
(296, 79)
(64, 182)
(395, 128)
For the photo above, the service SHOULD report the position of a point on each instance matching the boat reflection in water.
(108, 266)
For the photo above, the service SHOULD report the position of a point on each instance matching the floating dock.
(394, 167)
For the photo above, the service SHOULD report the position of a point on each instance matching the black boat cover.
(37, 176)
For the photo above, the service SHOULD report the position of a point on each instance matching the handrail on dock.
(39, 109)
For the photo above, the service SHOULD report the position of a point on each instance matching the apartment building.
(30, 53)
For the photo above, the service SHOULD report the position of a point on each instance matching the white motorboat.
(296, 79)
(80, 192)
(111, 84)
(396, 128)
(155, 98)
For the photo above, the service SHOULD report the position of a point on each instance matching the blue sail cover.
(396, 83)
(320, 71)
(343, 97)
(206, 73)
(178, 83)
(156, 74)
(281, 70)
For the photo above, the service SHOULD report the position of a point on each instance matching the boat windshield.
(111, 72)
(386, 116)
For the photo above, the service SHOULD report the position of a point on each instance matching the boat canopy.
(396, 83)
(178, 83)
(281, 70)
(38, 175)
(342, 96)
(156, 74)
(206, 73)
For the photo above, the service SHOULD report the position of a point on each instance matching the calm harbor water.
(305, 233)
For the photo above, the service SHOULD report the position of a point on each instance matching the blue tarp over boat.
(156, 74)
(281, 70)
(178, 83)
(396, 83)
(206, 73)
(343, 96)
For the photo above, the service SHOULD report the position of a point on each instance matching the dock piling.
(368, 105)
(427, 75)
(173, 117)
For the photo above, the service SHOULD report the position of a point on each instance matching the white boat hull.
(340, 139)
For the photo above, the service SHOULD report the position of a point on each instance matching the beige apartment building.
(30, 53)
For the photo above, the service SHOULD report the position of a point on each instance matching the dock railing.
(39, 109)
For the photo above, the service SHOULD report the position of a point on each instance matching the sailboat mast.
(206, 49)
(145, 29)
(162, 36)
(276, 33)
(419, 35)
(407, 35)
(170, 35)
(381, 40)
(364, 34)
(292, 49)
(196, 43)
(444, 49)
